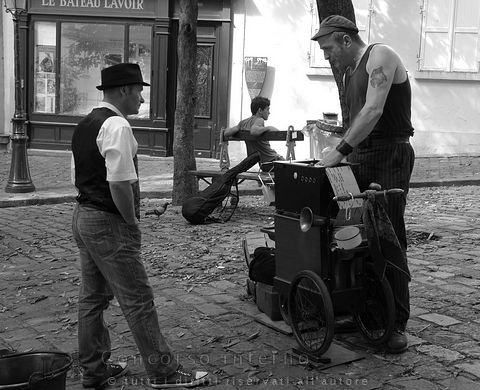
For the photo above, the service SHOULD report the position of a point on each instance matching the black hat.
(121, 74)
(334, 23)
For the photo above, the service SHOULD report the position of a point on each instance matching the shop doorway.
(212, 101)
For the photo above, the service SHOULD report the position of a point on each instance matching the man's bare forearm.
(257, 130)
(122, 195)
(362, 126)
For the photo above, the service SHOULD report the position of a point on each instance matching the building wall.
(445, 113)
(281, 35)
(2, 80)
(7, 84)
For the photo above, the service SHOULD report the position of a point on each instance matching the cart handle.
(363, 195)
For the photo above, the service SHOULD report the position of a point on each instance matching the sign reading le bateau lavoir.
(134, 8)
(125, 4)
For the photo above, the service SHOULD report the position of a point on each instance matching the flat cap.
(334, 23)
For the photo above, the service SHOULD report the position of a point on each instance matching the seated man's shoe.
(251, 289)
(181, 378)
(397, 343)
(114, 371)
(246, 253)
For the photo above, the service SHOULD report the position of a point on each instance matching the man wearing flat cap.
(106, 229)
(378, 97)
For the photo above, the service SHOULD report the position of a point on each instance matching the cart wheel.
(311, 313)
(377, 319)
(283, 305)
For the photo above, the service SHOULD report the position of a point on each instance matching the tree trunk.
(344, 8)
(184, 184)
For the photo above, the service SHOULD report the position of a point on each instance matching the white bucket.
(348, 237)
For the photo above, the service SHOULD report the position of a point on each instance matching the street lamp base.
(19, 188)
(19, 180)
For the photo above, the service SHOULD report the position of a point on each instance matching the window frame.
(449, 73)
(67, 117)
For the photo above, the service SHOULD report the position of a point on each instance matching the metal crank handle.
(363, 195)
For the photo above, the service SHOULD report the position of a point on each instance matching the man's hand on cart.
(334, 157)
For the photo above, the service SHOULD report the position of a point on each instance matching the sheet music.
(344, 183)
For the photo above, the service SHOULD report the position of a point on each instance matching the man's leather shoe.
(397, 343)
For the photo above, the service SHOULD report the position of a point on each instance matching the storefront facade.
(69, 41)
(65, 44)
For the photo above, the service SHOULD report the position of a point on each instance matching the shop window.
(83, 55)
(363, 13)
(140, 52)
(45, 74)
(450, 38)
(85, 49)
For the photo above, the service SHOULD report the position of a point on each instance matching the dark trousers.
(110, 264)
(390, 166)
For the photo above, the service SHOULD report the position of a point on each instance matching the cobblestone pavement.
(198, 274)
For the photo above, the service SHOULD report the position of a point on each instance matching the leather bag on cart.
(262, 267)
(198, 209)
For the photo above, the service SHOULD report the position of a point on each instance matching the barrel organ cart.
(318, 277)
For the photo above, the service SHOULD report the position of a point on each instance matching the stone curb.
(38, 201)
(445, 183)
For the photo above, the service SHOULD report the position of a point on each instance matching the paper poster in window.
(46, 59)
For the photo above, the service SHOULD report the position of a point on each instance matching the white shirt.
(117, 145)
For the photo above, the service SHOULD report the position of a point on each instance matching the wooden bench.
(208, 175)
(231, 201)
(290, 136)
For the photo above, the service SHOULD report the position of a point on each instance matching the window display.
(140, 52)
(65, 79)
(45, 75)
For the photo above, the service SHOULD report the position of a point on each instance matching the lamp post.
(19, 179)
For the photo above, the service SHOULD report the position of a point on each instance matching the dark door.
(212, 103)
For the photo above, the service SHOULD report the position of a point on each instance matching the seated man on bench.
(260, 107)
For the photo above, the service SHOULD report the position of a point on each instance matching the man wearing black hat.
(378, 97)
(106, 230)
